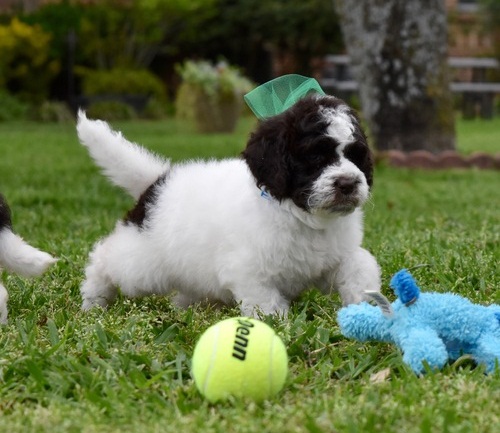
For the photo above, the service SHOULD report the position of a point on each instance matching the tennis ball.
(239, 357)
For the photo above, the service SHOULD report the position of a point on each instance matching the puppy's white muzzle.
(340, 188)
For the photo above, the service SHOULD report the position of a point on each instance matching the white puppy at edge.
(256, 230)
(17, 256)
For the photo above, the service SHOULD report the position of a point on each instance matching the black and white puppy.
(256, 230)
(17, 256)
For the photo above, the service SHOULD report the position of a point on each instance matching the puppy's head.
(315, 153)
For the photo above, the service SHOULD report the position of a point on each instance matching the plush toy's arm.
(364, 322)
(421, 344)
(487, 351)
(486, 348)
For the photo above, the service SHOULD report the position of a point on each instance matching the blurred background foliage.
(26, 64)
(45, 45)
(50, 48)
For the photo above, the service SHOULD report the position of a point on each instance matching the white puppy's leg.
(356, 273)
(17, 256)
(263, 300)
(4, 297)
(97, 289)
(124, 260)
(186, 299)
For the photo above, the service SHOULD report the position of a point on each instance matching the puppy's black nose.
(345, 185)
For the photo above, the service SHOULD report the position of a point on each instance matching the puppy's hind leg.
(123, 260)
(98, 288)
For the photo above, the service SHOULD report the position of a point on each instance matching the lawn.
(127, 369)
(478, 135)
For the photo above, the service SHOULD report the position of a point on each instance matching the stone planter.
(210, 114)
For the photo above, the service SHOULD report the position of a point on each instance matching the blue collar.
(264, 193)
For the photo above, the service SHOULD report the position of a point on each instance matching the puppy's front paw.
(352, 296)
(89, 303)
(358, 273)
(256, 311)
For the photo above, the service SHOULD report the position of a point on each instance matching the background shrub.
(25, 64)
(141, 90)
(211, 95)
(217, 81)
(157, 109)
(11, 108)
(120, 81)
(111, 110)
(53, 111)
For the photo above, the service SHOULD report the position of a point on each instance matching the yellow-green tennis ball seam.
(239, 357)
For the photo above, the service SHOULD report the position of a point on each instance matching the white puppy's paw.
(89, 303)
(276, 305)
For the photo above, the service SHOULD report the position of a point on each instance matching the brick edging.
(443, 160)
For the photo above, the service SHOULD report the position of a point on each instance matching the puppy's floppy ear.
(268, 158)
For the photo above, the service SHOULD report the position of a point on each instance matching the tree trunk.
(398, 51)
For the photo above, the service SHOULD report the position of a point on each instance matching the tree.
(398, 51)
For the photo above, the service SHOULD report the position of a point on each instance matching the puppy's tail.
(15, 254)
(127, 164)
(19, 257)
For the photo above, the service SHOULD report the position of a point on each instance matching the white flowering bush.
(211, 95)
(219, 80)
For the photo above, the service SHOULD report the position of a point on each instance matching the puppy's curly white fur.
(256, 230)
(17, 256)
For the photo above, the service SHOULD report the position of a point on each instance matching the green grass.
(478, 135)
(128, 368)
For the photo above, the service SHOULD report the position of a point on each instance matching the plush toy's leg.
(487, 351)
(422, 344)
(364, 322)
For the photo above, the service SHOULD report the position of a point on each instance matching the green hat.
(276, 96)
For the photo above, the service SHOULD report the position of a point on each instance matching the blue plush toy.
(430, 327)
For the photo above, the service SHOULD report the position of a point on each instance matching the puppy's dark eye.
(356, 153)
(321, 152)
(317, 158)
